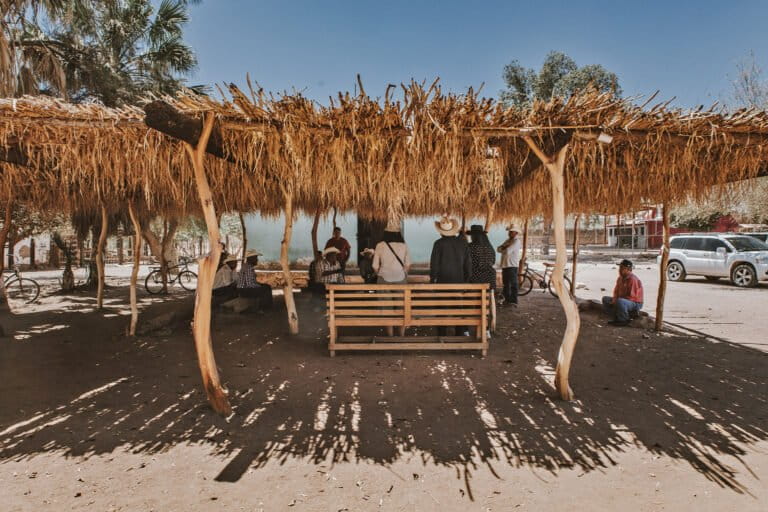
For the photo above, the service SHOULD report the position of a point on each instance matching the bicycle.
(544, 281)
(20, 288)
(185, 277)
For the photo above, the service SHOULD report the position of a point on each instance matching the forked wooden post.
(573, 321)
(290, 304)
(315, 224)
(245, 236)
(575, 253)
(201, 323)
(663, 269)
(100, 258)
(3, 237)
(523, 256)
(135, 270)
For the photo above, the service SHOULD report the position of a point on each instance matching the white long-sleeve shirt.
(385, 263)
(510, 255)
(225, 276)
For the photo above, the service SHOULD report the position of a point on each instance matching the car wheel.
(744, 276)
(675, 271)
(711, 278)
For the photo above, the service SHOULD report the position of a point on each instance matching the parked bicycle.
(176, 274)
(543, 281)
(18, 288)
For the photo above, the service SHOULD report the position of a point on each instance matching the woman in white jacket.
(391, 262)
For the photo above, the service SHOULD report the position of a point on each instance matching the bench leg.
(333, 353)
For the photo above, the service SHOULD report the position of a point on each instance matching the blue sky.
(687, 49)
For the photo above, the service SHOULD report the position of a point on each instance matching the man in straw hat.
(225, 281)
(330, 268)
(340, 243)
(366, 266)
(627, 299)
(511, 251)
(248, 286)
(450, 261)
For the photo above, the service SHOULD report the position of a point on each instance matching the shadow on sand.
(83, 389)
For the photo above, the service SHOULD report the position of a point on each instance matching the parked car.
(742, 259)
(763, 237)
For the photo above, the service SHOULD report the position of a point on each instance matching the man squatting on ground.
(627, 299)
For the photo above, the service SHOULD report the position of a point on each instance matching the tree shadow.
(86, 390)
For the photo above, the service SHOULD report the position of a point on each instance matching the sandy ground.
(91, 420)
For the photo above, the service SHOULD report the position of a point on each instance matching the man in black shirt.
(450, 261)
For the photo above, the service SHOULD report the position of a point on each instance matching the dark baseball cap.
(627, 263)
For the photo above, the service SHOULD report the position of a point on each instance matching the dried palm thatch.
(423, 153)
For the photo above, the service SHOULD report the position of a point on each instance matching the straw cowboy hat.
(447, 226)
(513, 227)
(367, 250)
(251, 252)
(231, 258)
(330, 250)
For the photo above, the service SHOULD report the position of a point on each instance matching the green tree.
(559, 76)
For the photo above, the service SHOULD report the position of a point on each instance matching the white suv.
(741, 258)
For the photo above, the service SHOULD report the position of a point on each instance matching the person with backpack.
(391, 262)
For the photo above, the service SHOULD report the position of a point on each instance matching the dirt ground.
(92, 420)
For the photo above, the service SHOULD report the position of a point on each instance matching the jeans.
(263, 293)
(622, 309)
(509, 290)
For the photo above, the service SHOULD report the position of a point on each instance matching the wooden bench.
(408, 305)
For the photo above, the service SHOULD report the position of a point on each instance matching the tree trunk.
(290, 304)
(100, 258)
(135, 270)
(315, 224)
(32, 255)
(4, 304)
(335, 212)
(120, 254)
(573, 321)
(575, 256)
(201, 323)
(245, 237)
(489, 217)
(523, 256)
(663, 269)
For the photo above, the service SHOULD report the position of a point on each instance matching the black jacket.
(450, 262)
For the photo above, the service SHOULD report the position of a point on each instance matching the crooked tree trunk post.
(290, 304)
(135, 270)
(201, 323)
(575, 253)
(315, 224)
(523, 257)
(556, 166)
(100, 258)
(245, 236)
(488, 222)
(4, 304)
(663, 269)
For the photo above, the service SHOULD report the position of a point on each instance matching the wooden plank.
(368, 312)
(372, 295)
(366, 303)
(400, 339)
(407, 346)
(369, 322)
(409, 286)
(407, 312)
(457, 302)
(445, 321)
(438, 295)
(447, 312)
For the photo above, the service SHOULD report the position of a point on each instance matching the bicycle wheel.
(24, 290)
(566, 283)
(525, 286)
(154, 282)
(188, 280)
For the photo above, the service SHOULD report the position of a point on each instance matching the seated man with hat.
(627, 299)
(366, 266)
(248, 286)
(225, 281)
(330, 269)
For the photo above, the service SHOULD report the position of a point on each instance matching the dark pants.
(263, 293)
(223, 294)
(623, 309)
(509, 278)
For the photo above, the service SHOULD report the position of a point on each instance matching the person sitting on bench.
(248, 286)
(225, 281)
(330, 269)
(627, 299)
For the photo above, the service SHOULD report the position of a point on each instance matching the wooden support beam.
(290, 304)
(245, 236)
(315, 224)
(100, 257)
(556, 166)
(135, 269)
(575, 252)
(201, 323)
(663, 269)
(166, 119)
(4, 304)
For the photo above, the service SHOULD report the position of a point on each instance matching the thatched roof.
(423, 153)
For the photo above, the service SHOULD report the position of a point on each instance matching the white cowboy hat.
(231, 258)
(513, 227)
(447, 226)
(367, 250)
(252, 252)
(330, 250)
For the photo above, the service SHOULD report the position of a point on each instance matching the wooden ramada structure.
(414, 151)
